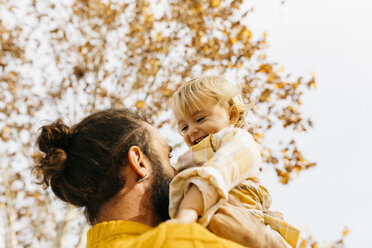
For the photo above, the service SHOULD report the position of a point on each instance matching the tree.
(69, 58)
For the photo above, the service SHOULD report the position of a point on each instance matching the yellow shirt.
(129, 234)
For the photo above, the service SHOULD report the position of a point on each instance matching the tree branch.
(63, 227)
(83, 236)
(11, 212)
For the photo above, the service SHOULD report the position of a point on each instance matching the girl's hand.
(185, 216)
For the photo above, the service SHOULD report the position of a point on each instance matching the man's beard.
(160, 190)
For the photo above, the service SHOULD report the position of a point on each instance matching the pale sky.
(333, 40)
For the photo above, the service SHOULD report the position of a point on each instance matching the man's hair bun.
(53, 142)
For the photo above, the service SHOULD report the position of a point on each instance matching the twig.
(11, 213)
(83, 236)
(63, 227)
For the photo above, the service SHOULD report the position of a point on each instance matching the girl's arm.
(191, 206)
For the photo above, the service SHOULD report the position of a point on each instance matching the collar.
(104, 230)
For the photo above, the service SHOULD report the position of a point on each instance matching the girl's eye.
(183, 128)
(200, 119)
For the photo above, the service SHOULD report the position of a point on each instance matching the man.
(116, 166)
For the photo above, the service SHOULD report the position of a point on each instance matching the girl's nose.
(192, 130)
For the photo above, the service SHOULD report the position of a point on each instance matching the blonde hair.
(189, 97)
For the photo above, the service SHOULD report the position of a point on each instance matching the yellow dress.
(129, 234)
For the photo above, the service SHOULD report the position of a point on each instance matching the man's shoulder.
(166, 235)
(188, 235)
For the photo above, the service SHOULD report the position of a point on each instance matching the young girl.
(222, 160)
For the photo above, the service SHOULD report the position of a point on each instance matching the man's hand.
(234, 222)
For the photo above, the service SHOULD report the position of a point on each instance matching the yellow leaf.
(298, 169)
(36, 196)
(279, 85)
(303, 244)
(346, 231)
(315, 245)
(265, 95)
(7, 130)
(149, 17)
(265, 68)
(12, 75)
(159, 37)
(284, 178)
(233, 40)
(215, 3)
(140, 104)
(166, 92)
(258, 136)
(284, 151)
(280, 69)
(247, 33)
(270, 78)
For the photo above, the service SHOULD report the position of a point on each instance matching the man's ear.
(137, 161)
(234, 114)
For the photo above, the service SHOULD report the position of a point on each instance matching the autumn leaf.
(346, 231)
(140, 104)
(215, 3)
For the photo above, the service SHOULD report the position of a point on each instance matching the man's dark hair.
(82, 164)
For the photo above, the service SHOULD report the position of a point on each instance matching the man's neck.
(132, 205)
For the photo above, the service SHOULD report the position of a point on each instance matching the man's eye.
(170, 155)
(200, 119)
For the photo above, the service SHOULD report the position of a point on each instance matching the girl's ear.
(234, 114)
